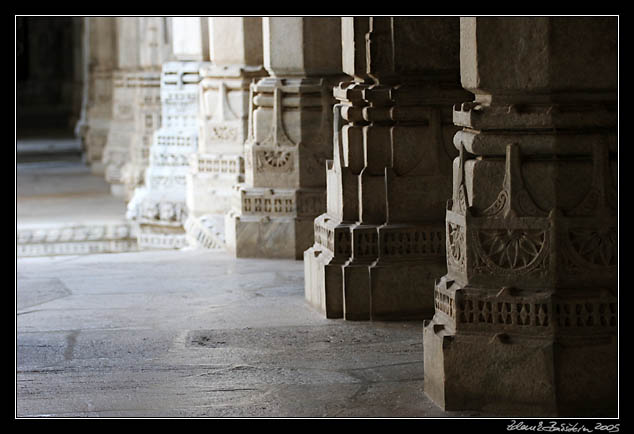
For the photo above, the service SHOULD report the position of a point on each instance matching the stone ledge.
(75, 239)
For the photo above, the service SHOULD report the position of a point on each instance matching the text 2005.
(607, 428)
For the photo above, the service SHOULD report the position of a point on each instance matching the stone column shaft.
(380, 243)
(124, 88)
(289, 140)
(158, 206)
(526, 317)
(102, 41)
(236, 60)
(154, 48)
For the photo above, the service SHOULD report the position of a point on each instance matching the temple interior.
(317, 216)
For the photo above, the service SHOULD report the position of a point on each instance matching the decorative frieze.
(214, 164)
(279, 202)
(75, 239)
(514, 311)
(513, 239)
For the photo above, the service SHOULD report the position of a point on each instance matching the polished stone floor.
(201, 334)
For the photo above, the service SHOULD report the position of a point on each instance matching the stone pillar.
(124, 86)
(290, 139)
(158, 206)
(102, 53)
(526, 316)
(154, 49)
(236, 55)
(380, 244)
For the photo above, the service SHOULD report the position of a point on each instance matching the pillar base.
(390, 276)
(404, 290)
(369, 291)
(267, 237)
(521, 376)
(323, 282)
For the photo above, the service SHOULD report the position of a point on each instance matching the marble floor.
(201, 334)
(188, 333)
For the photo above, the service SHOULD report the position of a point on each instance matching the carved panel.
(510, 250)
(269, 202)
(274, 160)
(456, 246)
(210, 164)
(404, 242)
(594, 246)
(507, 312)
(222, 133)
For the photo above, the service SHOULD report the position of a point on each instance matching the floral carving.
(277, 160)
(596, 246)
(456, 245)
(511, 249)
(498, 206)
(222, 133)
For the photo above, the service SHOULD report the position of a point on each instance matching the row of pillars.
(457, 170)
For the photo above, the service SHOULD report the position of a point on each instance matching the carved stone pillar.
(124, 86)
(526, 316)
(158, 206)
(102, 41)
(236, 55)
(380, 244)
(290, 139)
(154, 49)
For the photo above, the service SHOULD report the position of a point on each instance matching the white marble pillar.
(154, 49)
(124, 87)
(158, 206)
(101, 44)
(236, 60)
(290, 139)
